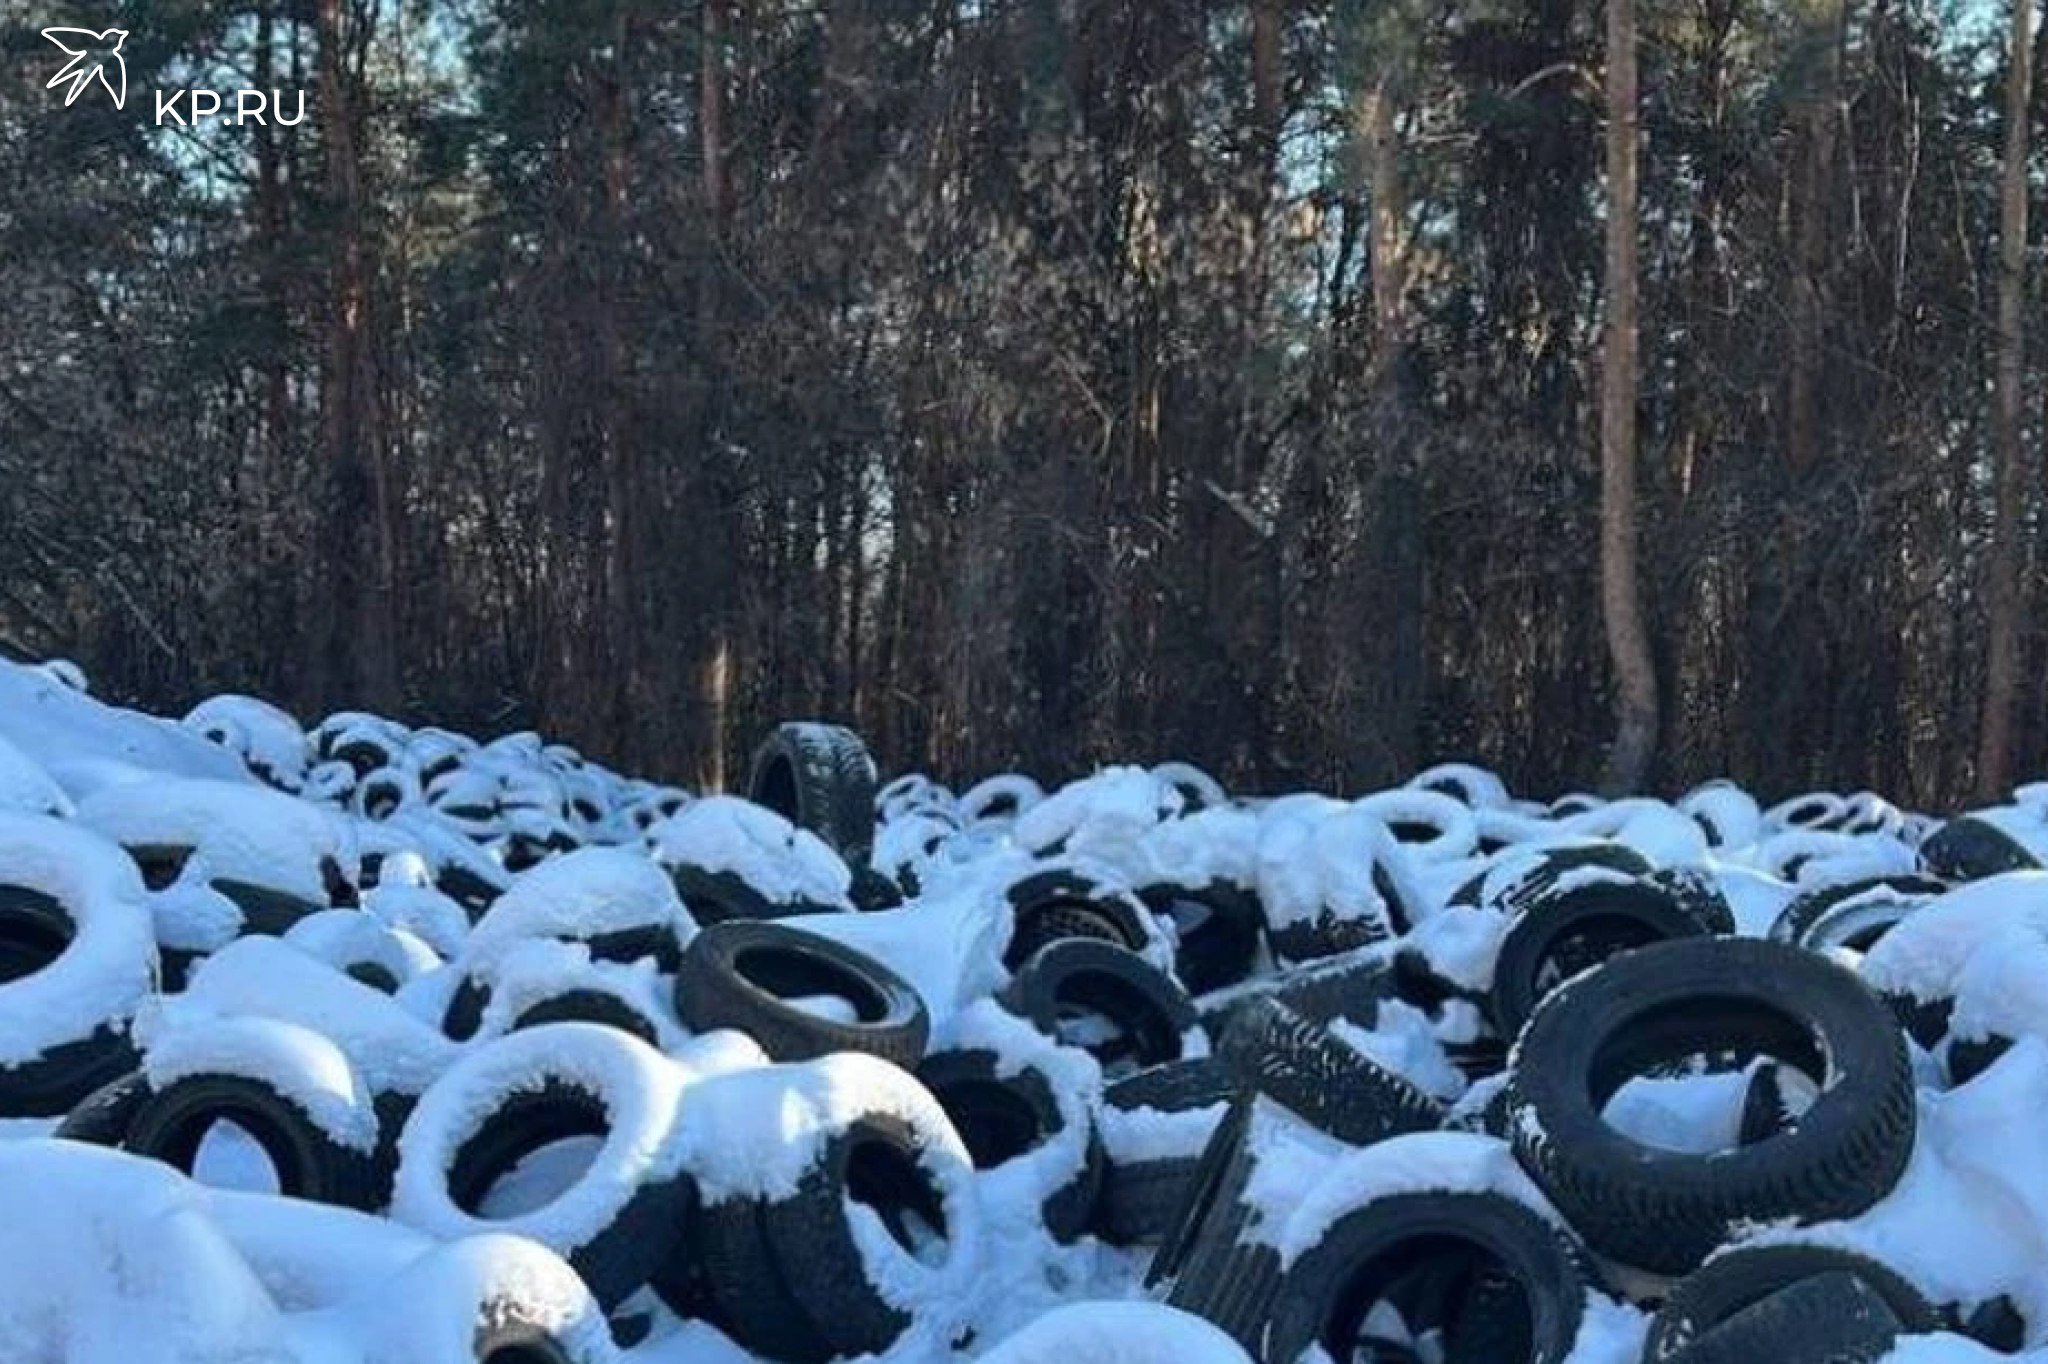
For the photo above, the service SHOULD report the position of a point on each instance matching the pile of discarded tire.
(459, 1050)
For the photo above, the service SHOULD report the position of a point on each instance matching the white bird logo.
(92, 54)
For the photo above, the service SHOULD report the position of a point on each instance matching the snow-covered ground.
(356, 920)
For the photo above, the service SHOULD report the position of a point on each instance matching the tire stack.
(845, 1069)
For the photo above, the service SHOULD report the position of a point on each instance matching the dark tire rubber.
(1150, 1013)
(1538, 1281)
(1314, 1074)
(1665, 1211)
(819, 777)
(1741, 1278)
(742, 975)
(170, 1123)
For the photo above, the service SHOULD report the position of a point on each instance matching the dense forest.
(1040, 382)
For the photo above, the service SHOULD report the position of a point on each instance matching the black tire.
(1218, 927)
(1665, 1211)
(1050, 906)
(819, 777)
(582, 1004)
(1967, 848)
(649, 1225)
(1002, 1117)
(38, 932)
(171, 1122)
(1998, 1324)
(716, 897)
(1535, 876)
(1308, 1070)
(1838, 1317)
(874, 1161)
(1698, 894)
(103, 1117)
(1349, 987)
(742, 975)
(1141, 1200)
(624, 1213)
(1765, 1112)
(1217, 1271)
(1745, 1276)
(1820, 918)
(735, 1281)
(1563, 932)
(1324, 1296)
(1150, 1014)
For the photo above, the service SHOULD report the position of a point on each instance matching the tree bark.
(2001, 669)
(1635, 676)
(1822, 25)
(360, 657)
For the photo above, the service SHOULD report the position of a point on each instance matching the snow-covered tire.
(1564, 931)
(1198, 791)
(77, 957)
(1742, 1277)
(309, 1157)
(744, 975)
(1323, 1297)
(1004, 1116)
(1968, 848)
(1050, 906)
(487, 1299)
(622, 1217)
(1217, 927)
(1315, 1075)
(361, 947)
(585, 1004)
(1852, 914)
(1117, 1333)
(1665, 1211)
(1836, 1316)
(846, 1261)
(818, 777)
(1145, 1187)
(1152, 1016)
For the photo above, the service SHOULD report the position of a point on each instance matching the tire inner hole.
(1105, 1017)
(1421, 1295)
(34, 931)
(811, 983)
(228, 1156)
(1676, 1077)
(993, 1120)
(887, 1180)
(244, 1149)
(777, 788)
(530, 1152)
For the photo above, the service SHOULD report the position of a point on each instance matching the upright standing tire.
(1568, 929)
(1325, 1296)
(818, 777)
(1665, 1211)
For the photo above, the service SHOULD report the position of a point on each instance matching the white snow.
(298, 1063)
(783, 863)
(634, 1085)
(106, 970)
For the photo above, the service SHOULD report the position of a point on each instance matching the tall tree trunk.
(1403, 553)
(715, 687)
(359, 657)
(1628, 644)
(2001, 669)
(1268, 68)
(1820, 57)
